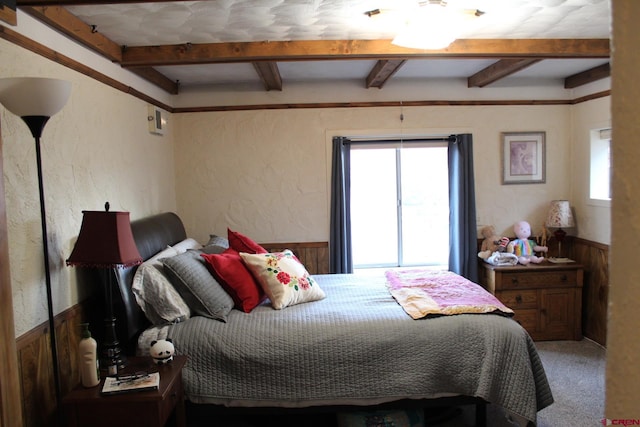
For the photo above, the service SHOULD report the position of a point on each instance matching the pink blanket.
(433, 292)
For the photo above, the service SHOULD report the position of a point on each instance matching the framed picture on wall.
(523, 157)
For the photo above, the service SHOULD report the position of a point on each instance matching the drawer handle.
(564, 278)
(514, 280)
(519, 299)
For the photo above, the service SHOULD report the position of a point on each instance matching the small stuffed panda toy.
(162, 351)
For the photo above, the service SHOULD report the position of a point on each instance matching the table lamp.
(559, 217)
(106, 242)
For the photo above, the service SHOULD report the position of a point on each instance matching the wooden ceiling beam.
(269, 74)
(157, 78)
(71, 26)
(588, 76)
(320, 50)
(382, 72)
(499, 70)
(8, 15)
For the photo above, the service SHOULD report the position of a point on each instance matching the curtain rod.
(450, 138)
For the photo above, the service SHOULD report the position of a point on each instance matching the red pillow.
(242, 243)
(234, 277)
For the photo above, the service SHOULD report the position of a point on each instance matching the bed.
(356, 346)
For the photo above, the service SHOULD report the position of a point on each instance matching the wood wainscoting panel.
(595, 258)
(313, 255)
(36, 366)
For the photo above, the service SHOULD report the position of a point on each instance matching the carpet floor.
(575, 370)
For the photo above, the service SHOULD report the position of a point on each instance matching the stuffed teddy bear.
(492, 242)
(523, 247)
(162, 351)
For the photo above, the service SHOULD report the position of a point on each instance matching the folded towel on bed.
(423, 292)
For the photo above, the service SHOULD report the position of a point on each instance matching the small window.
(600, 170)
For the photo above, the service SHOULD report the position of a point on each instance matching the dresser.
(546, 297)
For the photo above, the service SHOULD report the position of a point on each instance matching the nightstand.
(157, 408)
(546, 298)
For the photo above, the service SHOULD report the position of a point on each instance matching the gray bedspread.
(357, 346)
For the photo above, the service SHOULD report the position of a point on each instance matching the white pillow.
(185, 245)
(283, 278)
(155, 294)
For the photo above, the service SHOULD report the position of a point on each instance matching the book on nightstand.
(131, 383)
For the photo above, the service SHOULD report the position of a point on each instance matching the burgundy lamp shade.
(105, 241)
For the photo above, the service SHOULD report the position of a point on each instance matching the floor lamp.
(106, 242)
(35, 100)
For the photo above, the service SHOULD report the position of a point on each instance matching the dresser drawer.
(525, 280)
(517, 300)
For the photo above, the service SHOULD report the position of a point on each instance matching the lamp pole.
(45, 253)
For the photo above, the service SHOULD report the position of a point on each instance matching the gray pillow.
(195, 284)
(218, 241)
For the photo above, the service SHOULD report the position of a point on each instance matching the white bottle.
(87, 352)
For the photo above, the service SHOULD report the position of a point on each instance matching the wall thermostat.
(157, 120)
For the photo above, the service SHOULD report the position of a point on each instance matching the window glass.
(399, 205)
(600, 167)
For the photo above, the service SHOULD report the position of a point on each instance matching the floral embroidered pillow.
(283, 278)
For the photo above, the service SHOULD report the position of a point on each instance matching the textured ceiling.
(217, 21)
(225, 21)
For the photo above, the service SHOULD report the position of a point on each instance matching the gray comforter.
(357, 346)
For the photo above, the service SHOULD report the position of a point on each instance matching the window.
(399, 204)
(600, 168)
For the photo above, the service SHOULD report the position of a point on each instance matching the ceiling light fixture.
(433, 25)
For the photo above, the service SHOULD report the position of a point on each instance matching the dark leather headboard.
(152, 234)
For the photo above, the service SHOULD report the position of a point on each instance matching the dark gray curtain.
(463, 251)
(340, 258)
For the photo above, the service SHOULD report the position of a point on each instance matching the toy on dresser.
(523, 247)
(492, 242)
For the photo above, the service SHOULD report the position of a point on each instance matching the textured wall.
(623, 345)
(266, 173)
(96, 149)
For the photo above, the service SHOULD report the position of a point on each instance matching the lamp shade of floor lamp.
(559, 217)
(106, 242)
(36, 100)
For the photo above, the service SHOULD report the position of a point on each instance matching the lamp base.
(560, 260)
(559, 234)
(112, 360)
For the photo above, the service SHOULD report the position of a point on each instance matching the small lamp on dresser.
(559, 217)
(106, 242)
